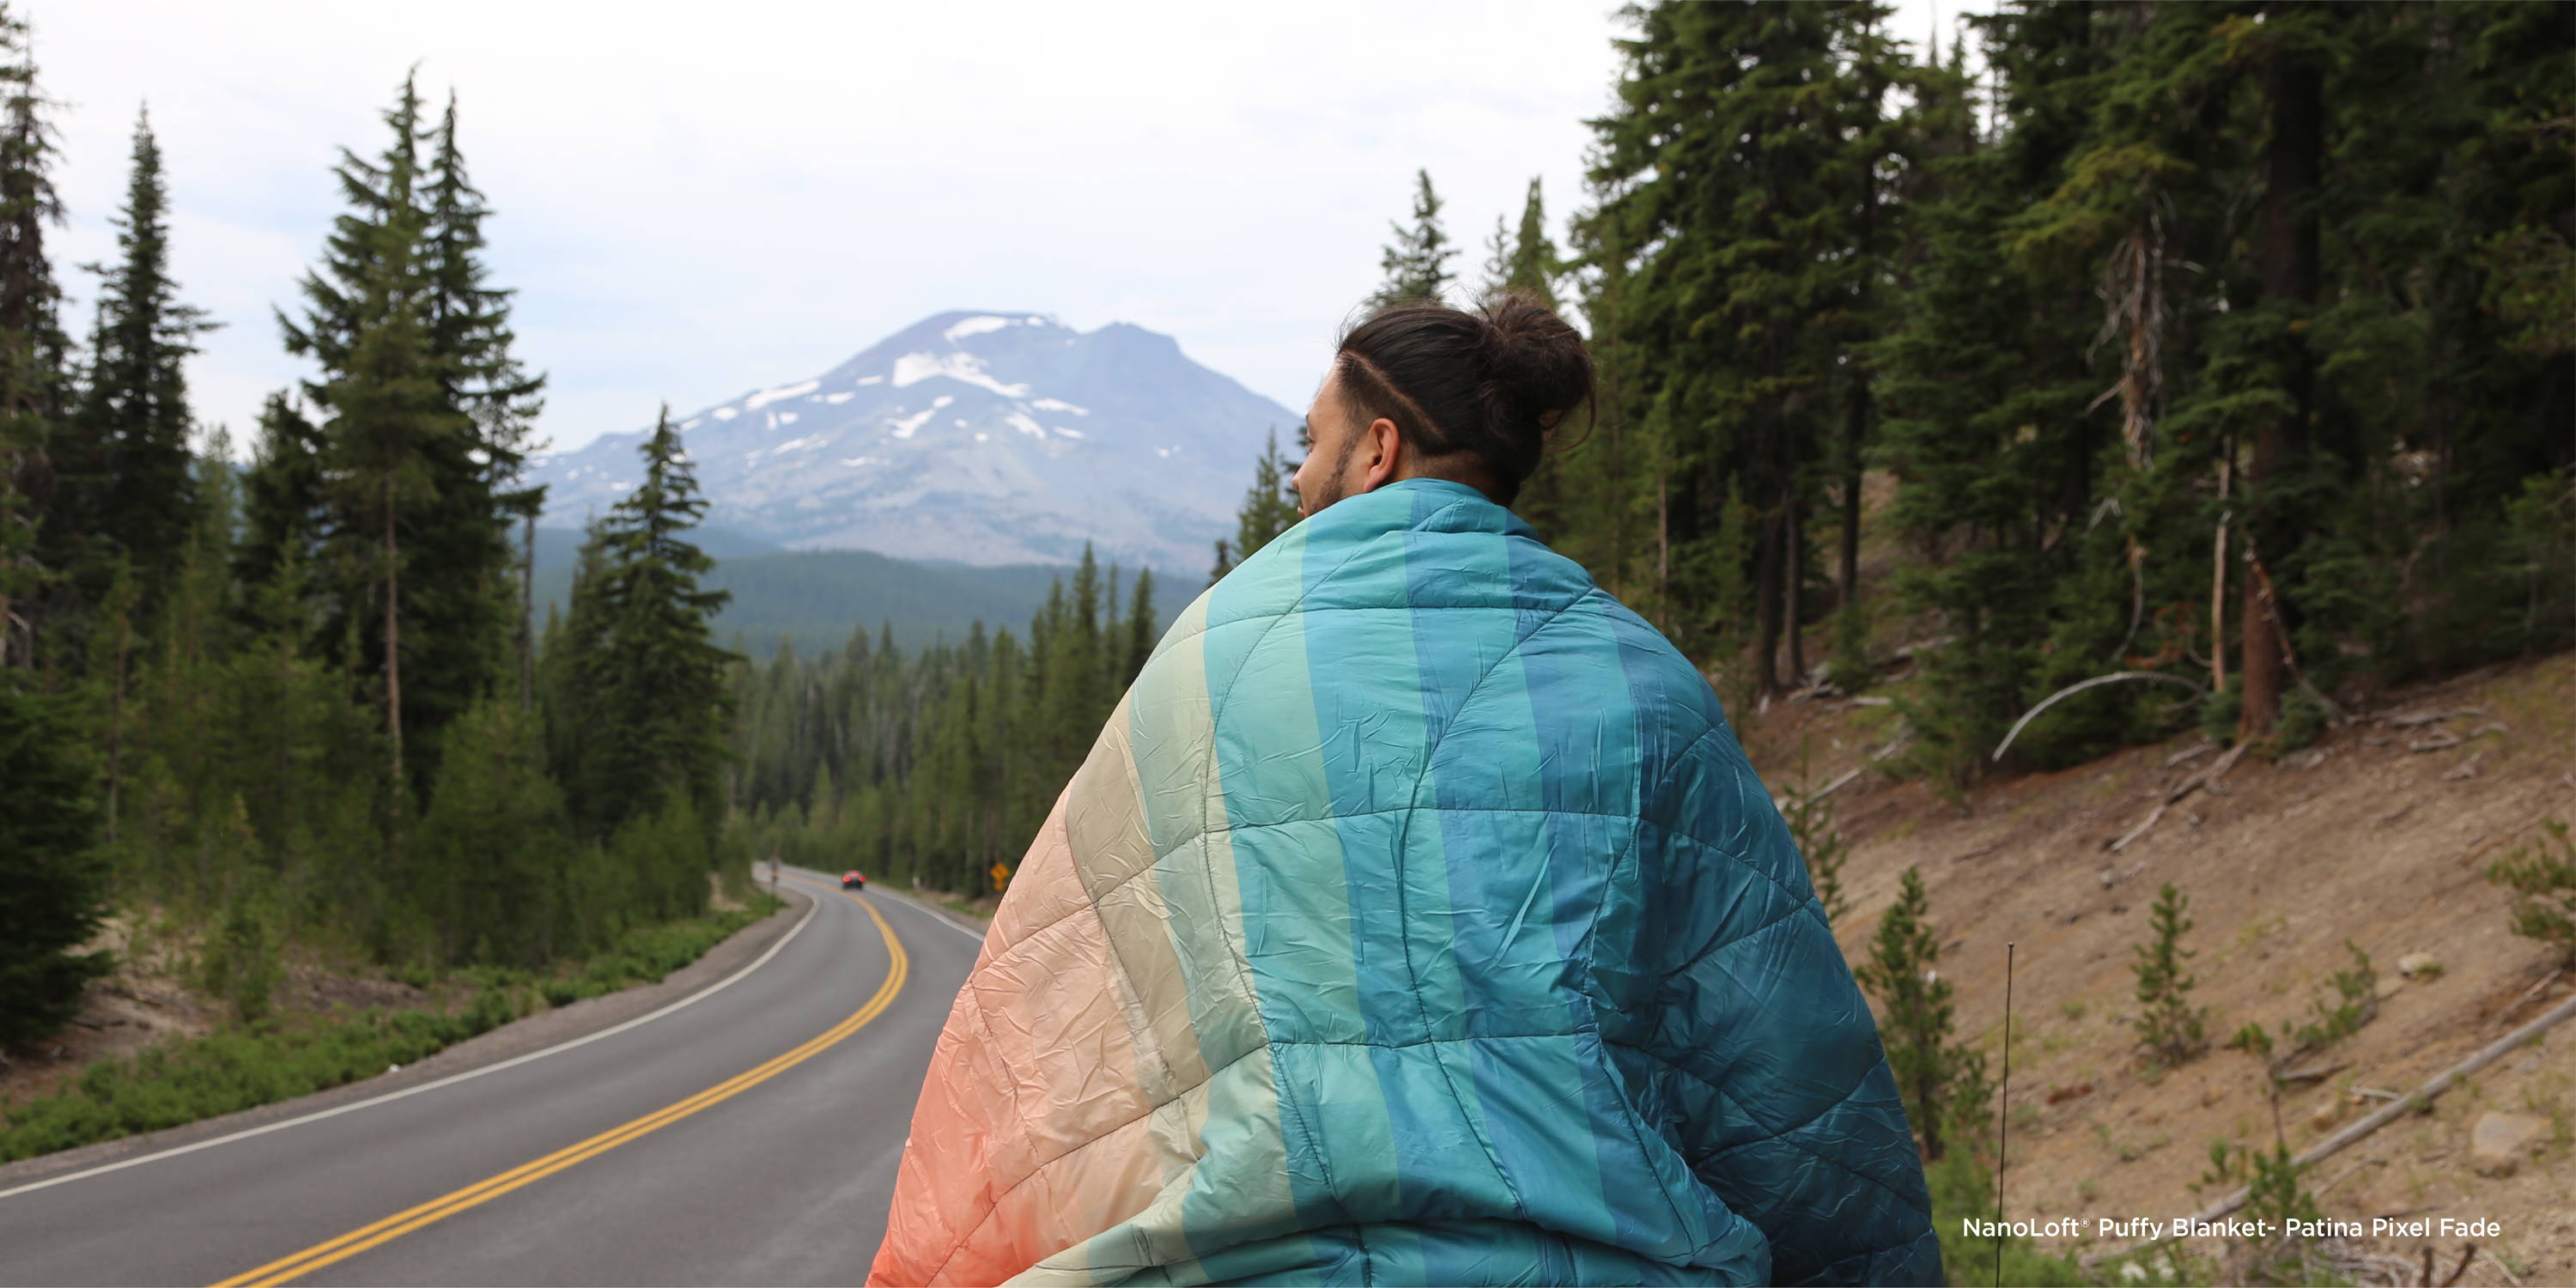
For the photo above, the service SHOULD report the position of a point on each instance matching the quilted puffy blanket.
(1415, 919)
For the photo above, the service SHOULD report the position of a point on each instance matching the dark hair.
(1487, 384)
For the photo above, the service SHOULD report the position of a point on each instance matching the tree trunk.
(393, 637)
(2295, 89)
(1767, 596)
(528, 618)
(2218, 572)
(1792, 579)
(1855, 432)
(116, 728)
(1858, 409)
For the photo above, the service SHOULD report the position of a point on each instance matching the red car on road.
(853, 881)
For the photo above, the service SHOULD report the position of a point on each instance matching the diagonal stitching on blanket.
(1783, 1134)
(1820, 1272)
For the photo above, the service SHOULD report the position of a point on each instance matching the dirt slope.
(2362, 838)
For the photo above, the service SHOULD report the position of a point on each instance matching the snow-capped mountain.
(983, 438)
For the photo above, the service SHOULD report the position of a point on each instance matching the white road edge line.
(813, 906)
(934, 914)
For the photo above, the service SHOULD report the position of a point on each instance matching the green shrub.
(2543, 881)
(2275, 1196)
(2168, 1025)
(2219, 711)
(2356, 1002)
(1943, 1083)
(1963, 1188)
(2302, 722)
(1811, 826)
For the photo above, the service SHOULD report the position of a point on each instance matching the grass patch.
(282, 1057)
(1962, 1187)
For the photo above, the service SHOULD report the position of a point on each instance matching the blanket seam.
(1779, 1134)
(1403, 837)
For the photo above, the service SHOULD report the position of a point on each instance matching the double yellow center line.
(287, 1268)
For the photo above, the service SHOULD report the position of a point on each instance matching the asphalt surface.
(761, 1126)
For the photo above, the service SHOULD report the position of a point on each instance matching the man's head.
(1422, 390)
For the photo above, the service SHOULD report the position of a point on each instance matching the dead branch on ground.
(2080, 686)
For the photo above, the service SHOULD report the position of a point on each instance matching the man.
(1416, 919)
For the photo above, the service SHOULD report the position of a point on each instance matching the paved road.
(749, 1137)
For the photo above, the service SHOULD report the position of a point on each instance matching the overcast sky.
(697, 200)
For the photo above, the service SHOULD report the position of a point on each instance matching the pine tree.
(1989, 411)
(425, 427)
(1416, 263)
(494, 843)
(52, 888)
(2168, 1024)
(282, 493)
(1943, 1084)
(470, 319)
(655, 738)
(1269, 505)
(33, 385)
(130, 491)
(1498, 260)
(1142, 628)
(1732, 154)
(1533, 265)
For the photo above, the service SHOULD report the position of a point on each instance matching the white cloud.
(693, 202)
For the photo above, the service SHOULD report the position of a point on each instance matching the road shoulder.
(546, 1028)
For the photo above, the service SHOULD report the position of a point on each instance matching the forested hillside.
(814, 600)
(934, 765)
(299, 713)
(2234, 344)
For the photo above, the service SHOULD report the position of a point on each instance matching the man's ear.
(1385, 455)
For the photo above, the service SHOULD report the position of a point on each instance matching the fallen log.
(2080, 686)
(2206, 778)
(2421, 1097)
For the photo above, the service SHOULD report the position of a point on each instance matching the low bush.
(2543, 882)
(1964, 1187)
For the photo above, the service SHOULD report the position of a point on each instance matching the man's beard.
(1332, 489)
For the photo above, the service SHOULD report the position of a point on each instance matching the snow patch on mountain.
(977, 326)
(913, 368)
(768, 396)
(1153, 476)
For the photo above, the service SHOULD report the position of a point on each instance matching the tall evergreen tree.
(1416, 263)
(1991, 417)
(52, 888)
(425, 425)
(1533, 265)
(1142, 632)
(656, 736)
(1731, 160)
(123, 467)
(282, 506)
(1269, 507)
(33, 385)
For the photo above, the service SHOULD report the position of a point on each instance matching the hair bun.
(1475, 392)
(1538, 358)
